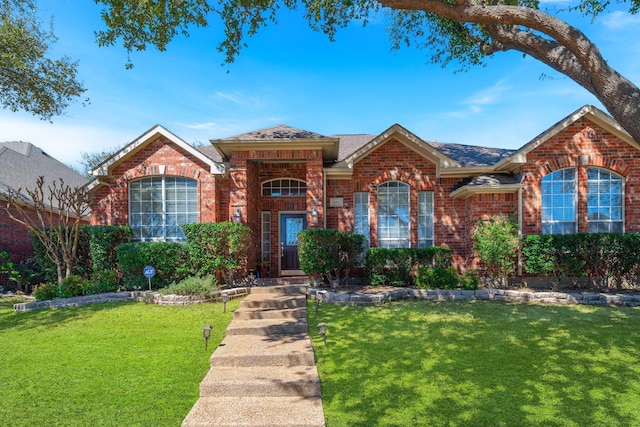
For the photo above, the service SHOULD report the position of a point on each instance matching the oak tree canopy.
(464, 31)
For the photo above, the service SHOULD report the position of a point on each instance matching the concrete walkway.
(263, 373)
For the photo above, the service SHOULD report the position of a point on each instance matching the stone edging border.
(327, 297)
(146, 296)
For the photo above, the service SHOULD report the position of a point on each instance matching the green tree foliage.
(218, 247)
(29, 79)
(496, 243)
(398, 266)
(465, 32)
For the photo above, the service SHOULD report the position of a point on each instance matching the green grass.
(479, 363)
(118, 364)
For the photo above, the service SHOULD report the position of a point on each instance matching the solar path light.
(322, 327)
(206, 333)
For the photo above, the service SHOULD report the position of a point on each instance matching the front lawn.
(480, 363)
(116, 364)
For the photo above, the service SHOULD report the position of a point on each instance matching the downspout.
(520, 231)
(324, 199)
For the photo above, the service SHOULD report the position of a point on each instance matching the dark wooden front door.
(290, 226)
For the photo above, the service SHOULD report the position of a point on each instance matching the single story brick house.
(399, 190)
(21, 164)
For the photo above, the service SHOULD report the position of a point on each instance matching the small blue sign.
(149, 271)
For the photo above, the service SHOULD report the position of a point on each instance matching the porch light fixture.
(237, 217)
(225, 299)
(322, 327)
(314, 216)
(206, 333)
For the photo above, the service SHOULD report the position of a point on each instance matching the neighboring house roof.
(22, 163)
(280, 137)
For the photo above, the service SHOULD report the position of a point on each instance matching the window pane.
(159, 205)
(559, 202)
(393, 215)
(284, 187)
(604, 202)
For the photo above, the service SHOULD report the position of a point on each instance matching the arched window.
(559, 202)
(284, 187)
(605, 201)
(159, 205)
(393, 215)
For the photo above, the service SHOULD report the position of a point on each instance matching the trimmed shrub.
(217, 247)
(436, 278)
(73, 286)
(103, 281)
(496, 243)
(170, 259)
(329, 253)
(103, 246)
(469, 281)
(45, 291)
(202, 286)
(397, 266)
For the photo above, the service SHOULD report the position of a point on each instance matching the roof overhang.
(467, 191)
(329, 146)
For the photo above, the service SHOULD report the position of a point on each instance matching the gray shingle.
(276, 132)
(22, 163)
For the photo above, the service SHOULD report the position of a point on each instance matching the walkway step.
(257, 381)
(282, 326)
(260, 301)
(260, 350)
(287, 411)
(297, 289)
(269, 313)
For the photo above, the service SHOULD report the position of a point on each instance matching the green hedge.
(398, 266)
(170, 259)
(329, 253)
(606, 258)
(103, 245)
(217, 247)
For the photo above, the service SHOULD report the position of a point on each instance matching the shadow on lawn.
(479, 363)
(46, 317)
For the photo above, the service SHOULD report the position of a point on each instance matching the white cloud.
(618, 20)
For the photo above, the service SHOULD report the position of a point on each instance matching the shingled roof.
(275, 132)
(466, 155)
(22, 163)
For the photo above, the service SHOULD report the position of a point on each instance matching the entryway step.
(278, 326)
(261, 381)
(261, 350)
(256, 412)
(269, 313)
(296, 289)
(274, 302)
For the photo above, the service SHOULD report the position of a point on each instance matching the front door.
(290, 225)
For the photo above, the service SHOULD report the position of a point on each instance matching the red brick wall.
(394, 161)
(15, 237)
(111, 201)
(602, 149)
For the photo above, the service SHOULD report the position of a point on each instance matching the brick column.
(315, 188)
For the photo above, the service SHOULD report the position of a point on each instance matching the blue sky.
(292, 75)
